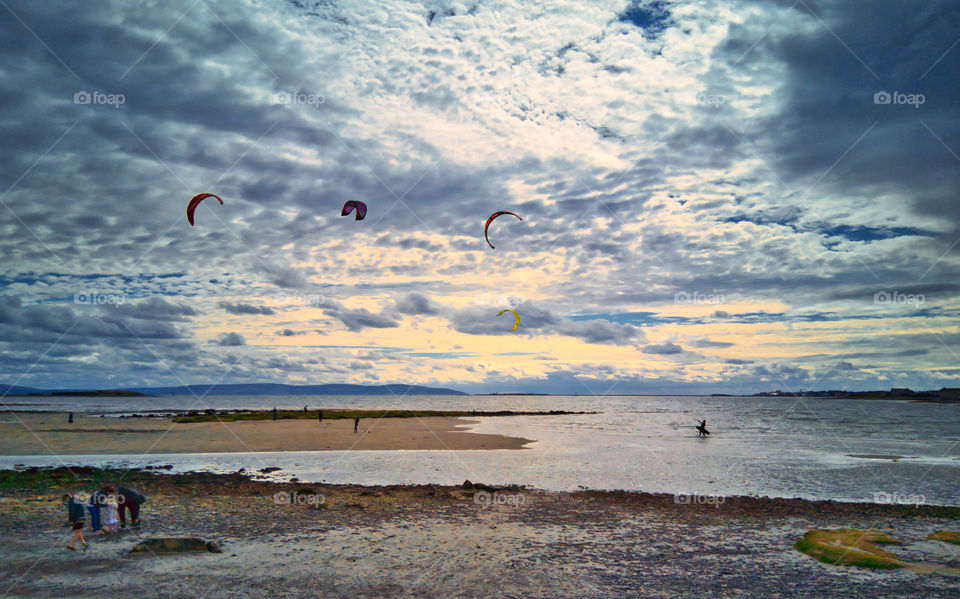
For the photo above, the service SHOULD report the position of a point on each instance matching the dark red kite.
(195, 201)
(490, 220)
(349, 206)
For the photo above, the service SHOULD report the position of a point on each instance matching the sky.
(717, 197)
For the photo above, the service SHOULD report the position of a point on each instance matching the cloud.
(706, 343)
(415, 304)
(230, 340)
(662, 349)
(241, 308)
(358, 319)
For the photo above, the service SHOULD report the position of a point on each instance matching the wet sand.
(433, 541)
(45, 434)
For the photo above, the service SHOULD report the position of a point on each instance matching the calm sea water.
(851, 450)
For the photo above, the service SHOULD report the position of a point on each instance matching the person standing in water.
(356, 423)
(702, 429)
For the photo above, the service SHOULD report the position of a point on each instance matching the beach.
(49, 433)
(295, 540)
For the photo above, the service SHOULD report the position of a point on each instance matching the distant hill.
(246, 389)
(278, 389)
(18, 390)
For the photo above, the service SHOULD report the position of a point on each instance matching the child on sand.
(76, 510)
(111, 522)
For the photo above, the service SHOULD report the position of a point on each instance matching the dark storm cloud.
(230, 339)
(706, 343)
(241, 308)
(662, 349)
(358, 319)
(540, 320)
(416, 304)
(903, 47)
(155, 308)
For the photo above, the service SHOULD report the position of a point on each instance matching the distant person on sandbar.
(70, 419)
(274, 413)
(319, 415)
(304, 408)
(356, 423)
(702, 429)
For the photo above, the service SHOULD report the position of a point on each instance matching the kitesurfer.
(702, 429)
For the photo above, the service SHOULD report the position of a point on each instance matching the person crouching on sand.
(76, 511)
(127, 500)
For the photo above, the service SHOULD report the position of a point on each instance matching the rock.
(167, 545)
(269, 469)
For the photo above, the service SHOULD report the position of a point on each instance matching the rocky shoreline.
(473, 540)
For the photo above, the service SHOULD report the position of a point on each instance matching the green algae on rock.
(849, 547)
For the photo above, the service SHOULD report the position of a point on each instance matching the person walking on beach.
(70, 418)
(75, 513)
(319, 415)
(274, 412)
(356, 423)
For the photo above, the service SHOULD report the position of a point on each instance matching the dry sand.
(430, 541)
(41, 434)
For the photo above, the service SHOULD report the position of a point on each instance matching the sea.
(881, 451)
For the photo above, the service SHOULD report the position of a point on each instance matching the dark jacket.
(130, 496)
(76, 510)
